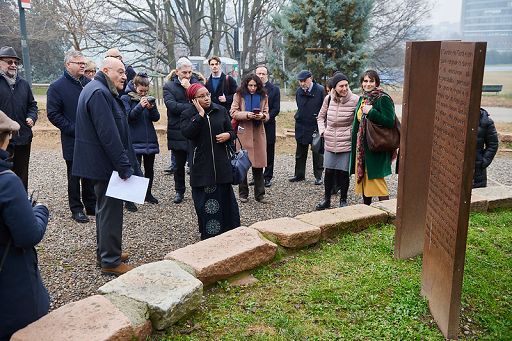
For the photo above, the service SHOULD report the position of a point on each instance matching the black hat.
(304, 74)
(338, 77)
(8, 52)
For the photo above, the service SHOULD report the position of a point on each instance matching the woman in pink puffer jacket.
(334, 123)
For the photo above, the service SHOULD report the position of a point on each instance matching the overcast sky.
(446, 10)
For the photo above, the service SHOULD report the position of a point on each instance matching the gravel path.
(67, 253)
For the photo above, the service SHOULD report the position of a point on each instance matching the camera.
(151, 100)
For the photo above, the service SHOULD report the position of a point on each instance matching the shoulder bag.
(240, 163)
(382, 139)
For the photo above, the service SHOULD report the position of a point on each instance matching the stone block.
(289, 232)
(225, 255)
(388, 206)
(479, 203)
(350, 218)
(168, 291)
(92, 319)
(496, 196)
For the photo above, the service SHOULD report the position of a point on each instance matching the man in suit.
(309, 97)
(221, 87)
(274, 106)
(61, 103)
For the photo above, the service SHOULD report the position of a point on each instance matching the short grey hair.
(72, 54)
(183, 61)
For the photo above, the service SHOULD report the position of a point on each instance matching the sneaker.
(268, 183)
(178, 198)
(318, 181)
(118, 270)
(130, 206)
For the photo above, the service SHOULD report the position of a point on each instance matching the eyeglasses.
(78, 63)
(10, 62)
(204, 95)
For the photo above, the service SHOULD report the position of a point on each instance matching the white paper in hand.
(133, 189)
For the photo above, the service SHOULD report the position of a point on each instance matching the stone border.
(156, 295)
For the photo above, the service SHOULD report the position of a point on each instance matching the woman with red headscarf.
(208, 127)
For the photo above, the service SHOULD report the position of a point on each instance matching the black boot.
(326, 203)
(343, 180)
(367, 200)
(386, 197)
(328, 185)
(149, 197)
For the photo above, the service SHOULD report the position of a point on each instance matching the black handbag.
(382, 139)
(317, 145)
(240, 163)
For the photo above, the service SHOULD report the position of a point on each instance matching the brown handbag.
(382, 139)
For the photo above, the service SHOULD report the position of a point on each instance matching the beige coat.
(250, 133)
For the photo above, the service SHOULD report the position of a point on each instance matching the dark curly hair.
(373, 75)
(243, 89)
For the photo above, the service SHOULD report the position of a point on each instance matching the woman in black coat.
(141, 115)
(23, 297)
(486, 148)
(208, 127)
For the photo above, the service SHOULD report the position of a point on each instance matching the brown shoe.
(118, 270)
(124, 257)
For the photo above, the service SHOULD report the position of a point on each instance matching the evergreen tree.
(325, 36)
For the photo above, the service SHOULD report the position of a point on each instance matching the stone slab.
(497, 196)
(92, 319)
(388, 206)
(225, 255)
(169, 292)
(350, 218)
(479, 203)
(289, 232)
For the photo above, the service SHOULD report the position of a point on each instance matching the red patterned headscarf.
(193, 89)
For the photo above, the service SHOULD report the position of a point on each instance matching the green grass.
(353, 289)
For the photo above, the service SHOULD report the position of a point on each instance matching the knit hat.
(6, 124)
(193, 89)
(338, 77)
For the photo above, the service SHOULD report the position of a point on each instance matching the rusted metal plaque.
(459, 85)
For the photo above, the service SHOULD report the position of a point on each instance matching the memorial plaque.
(418, 108)
(459, 84)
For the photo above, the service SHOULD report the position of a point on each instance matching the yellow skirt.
(371, 188)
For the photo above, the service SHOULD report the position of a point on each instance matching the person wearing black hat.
(23, 297)
(309, 97)
(17, 101)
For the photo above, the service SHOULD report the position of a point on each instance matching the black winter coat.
(226, 86)
(211, 163)
(18, 104)
(61, 103)
(308, 107)
(176, 102)
(102, 135)
(486, 148)
(274, 106)
(140, 120)
(23, 297)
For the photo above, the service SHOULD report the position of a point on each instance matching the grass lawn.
(352, 288)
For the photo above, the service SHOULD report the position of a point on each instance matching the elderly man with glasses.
(17, 101)
(61, 104)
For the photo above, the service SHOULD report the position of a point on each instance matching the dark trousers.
(179, 174)
(259, 185)
(148, 160)
(301, 156)
(20, 159)
(268, 174)
(88, 196)
(109, 226)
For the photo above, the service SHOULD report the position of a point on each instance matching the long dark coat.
(210, 160)
(102, 135)
(486, 148)
(18, 103)
(308, 107)
(23, 297)
(274, 106)
(61, 103)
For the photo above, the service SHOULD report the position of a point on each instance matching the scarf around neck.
(10, 80)
(252, 101)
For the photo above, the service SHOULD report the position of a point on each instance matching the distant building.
(490, 21)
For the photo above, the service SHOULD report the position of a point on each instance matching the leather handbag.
(240, 163)
(382, 139)
(317, 145)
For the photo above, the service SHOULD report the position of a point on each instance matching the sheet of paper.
(133, 189)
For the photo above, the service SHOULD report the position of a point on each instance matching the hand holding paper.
(132, 189)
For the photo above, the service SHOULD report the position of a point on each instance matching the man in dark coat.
(177, 102)
(486, 148)
(309, 97)
(17, 101)
(103, 145)
(61, 103)
(274, 106)
(221, 86)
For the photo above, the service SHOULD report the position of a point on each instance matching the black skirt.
(216, 208)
